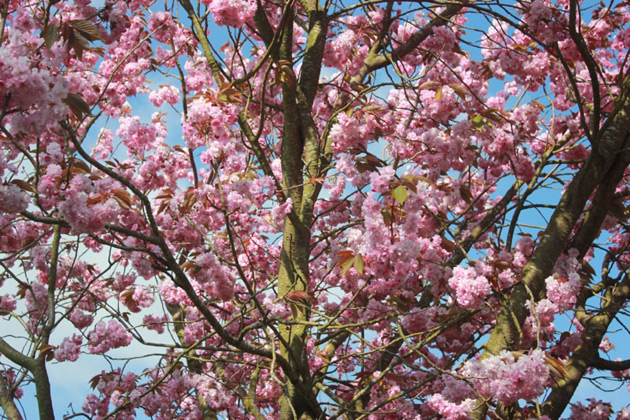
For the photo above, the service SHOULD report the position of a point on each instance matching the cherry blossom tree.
(315, 209)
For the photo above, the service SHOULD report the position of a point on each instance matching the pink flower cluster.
(509, 377)
(563, 291)
(231, 12)
(107, 336)
(84, 218)
(139, 137)
(34, 112)
(208, 119)
(7, 303)
(450, 410)
(456, 401)
(12, 199)
(470, 288)
(81, 319)
(595, 410)
(168, 94)
(69, 349)
(213, 277)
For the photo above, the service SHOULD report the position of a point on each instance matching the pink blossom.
(596, 410)
(470, 288)
(103, 146)
(84, 218)
(624, 414)
(507, 378)
(37, 300)
(155, 323)
(80, 319)
(69, 349)
(139, 137)
(605, 345)
(450, 410)
(107, 336)
(168, 94)
(563, 290)
(12, 199)
(231, 12)
(279, 212)
(7, 304)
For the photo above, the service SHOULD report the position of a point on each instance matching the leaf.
(79, 166)
(388, 217)
(477, 122)
(50, 34)
(95, 199)
(46, 351)
(77, 105)
(230, 95)
(187, 266)
(163, 207)
(465, 194)
(95, 380)
(23, 185)
(127, 299)
(400, 194)
(438, 93)
(588, 269)
(358, 263)
(369, 162)
(298, 296)
(123, 198)
(493, 115)
(346, 266)
(22, 289)
(459, 89)
(502, 264)
(86, 29)
(81, 41)
(448, 245)
(294, 309)
(77, 43)
(430, 85)
(556, 367)
(343, 257)
(401, 302)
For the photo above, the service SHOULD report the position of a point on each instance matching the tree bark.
(6, 400)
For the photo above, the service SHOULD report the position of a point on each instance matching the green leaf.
(477, 122)
(438, 93)
(400, 194)
(346, 266)
(358, 263)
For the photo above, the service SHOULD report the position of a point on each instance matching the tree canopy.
(309, 209)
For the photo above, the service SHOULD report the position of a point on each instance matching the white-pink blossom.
(509, 377)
